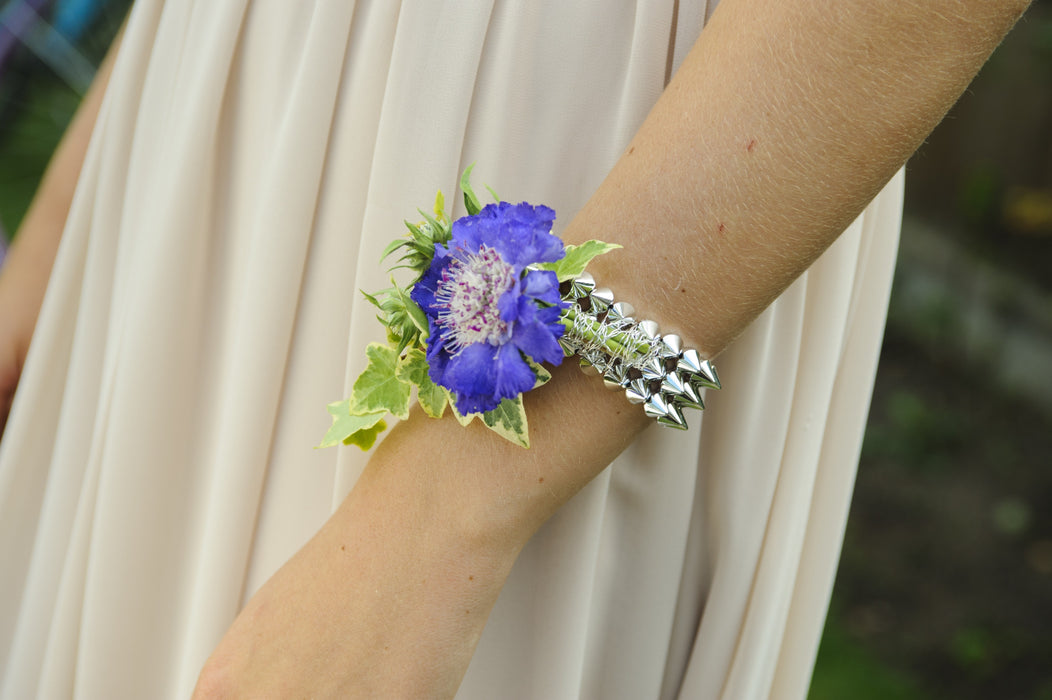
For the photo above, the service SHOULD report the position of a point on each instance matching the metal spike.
(601, 298)
(620, 311)
(671, 346)
(637, 391)
(616, 376)
(690, 396)
(707, 374)
(673, 418)
(672, 385)
(689, 361)
(588, 368)
(656, 406)
(654, 368)
(581, 286)
(569, 348)
(649, 328)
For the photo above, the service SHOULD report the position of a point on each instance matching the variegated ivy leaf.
(543, 375)
(462, 418)
(378, 388)
(577, 258)
(431, 397)
(350, 429)
(365, 438)
(509, 421)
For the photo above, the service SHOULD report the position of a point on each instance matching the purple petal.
(472, 372)
(538, 341)
(514, 374)
(542, 285)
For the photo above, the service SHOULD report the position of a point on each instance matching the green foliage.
(378, 388)
(352, 429)
(431, 397)
(387, 384)
(577, 258)
(471, 202)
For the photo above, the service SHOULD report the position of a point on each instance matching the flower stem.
(618, 344)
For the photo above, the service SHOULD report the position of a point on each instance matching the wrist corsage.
(494, 295)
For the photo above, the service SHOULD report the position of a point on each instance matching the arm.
(781, 125)
(26, 270)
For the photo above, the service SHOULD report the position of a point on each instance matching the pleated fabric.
(251, 160)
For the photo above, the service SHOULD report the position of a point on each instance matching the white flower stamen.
(467, 299)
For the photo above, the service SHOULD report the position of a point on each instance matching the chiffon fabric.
(251, 160)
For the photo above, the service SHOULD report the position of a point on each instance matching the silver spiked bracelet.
(652, 369)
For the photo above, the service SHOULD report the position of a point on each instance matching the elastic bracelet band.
(652, 369)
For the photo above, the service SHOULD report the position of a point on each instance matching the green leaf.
(509, 421)
(345, 426)
(470, 200)
(577, 259)
(366, 437)
(393, 246)
(378, 389)
(412, 309)
(543, 375)
(413, 368)
(462, 418)
(440, 206)
(492, 193)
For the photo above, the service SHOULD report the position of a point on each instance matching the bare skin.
(784, 121)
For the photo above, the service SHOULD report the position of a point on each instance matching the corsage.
(494, 296)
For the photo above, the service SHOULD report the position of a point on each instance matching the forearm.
(782, 124)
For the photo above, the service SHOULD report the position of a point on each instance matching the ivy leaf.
(462, 418)
(351, 429)
(470, 200)
(577, 258)
(509, 421)
(413, 368)
(366, 437)
(541, 373)
(378, 388)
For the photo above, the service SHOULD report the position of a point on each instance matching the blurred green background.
(945, 584)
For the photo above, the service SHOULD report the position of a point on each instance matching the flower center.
(467, 298)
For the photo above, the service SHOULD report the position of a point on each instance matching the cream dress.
(251, 160)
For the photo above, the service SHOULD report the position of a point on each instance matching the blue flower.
(486, 312)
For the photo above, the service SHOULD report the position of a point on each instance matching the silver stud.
(654, 368)
(671, 346)
(689, 396)
(581, 286)
(673, 418)
(601, 298)
(637, 391)
(616, 376)
(649, 328)
(689, 361)
(706, 374)
(619, 311)
(656, 406)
